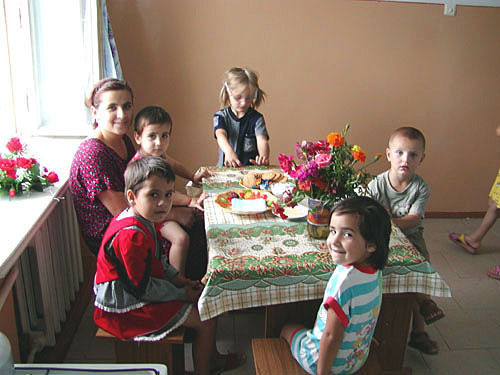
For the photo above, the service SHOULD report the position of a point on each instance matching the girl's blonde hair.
(241, 76)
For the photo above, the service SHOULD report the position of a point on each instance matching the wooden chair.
(273, 356)
(168, 351)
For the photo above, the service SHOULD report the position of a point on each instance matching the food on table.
(262, 201)
(262, 181)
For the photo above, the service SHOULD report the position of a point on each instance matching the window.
(50, 49)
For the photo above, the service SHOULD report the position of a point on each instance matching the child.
(153, 127)
(239, 129)
(139, 295)
(471, 242)
(405, 194)
(340, 340)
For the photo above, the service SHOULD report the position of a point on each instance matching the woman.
(96, 176)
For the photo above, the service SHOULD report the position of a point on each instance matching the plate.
(296, 213)
(224, 200)
(256, 180)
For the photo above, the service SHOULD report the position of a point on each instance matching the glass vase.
(317, 219)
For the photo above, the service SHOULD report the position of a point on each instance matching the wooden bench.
(273, 356)
(168, 351)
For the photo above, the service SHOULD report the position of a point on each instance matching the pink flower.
(323, 160)
(286, 162)
(12, 193)
(15, 145)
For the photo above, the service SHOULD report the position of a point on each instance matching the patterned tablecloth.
(259, 260)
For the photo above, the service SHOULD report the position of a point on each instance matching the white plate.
(295, 213)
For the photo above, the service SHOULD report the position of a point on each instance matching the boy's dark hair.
(374, 225)
(410, 133)
(141, 169)
(151, 115)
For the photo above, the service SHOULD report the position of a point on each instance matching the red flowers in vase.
(19, 173)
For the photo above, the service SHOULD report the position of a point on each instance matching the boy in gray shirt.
(405, 194)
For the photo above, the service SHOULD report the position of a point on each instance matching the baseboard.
(454, 215)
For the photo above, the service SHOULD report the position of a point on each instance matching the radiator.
(50, 274)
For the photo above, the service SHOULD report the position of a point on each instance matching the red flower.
(319, 183)
(304, 185)
(359, 155)
(15, 145)
(12, 193)
(52, 177)
(24, 163)
(7, 164)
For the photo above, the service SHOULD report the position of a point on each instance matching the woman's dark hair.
(374, 225)
(141, 169)
(151, 115)
(106, 84)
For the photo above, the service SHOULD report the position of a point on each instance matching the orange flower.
(335, 139)
(359, 155)
(378, 155)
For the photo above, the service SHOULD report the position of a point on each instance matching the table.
(262, 260)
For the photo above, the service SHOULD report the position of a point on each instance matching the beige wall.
(323, 64)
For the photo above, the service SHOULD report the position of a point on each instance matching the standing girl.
(96, 176)
(239, 129)
(340, 339)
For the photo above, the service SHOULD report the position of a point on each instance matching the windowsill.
(22, 215)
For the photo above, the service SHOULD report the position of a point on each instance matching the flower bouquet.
(326, 174)
(19, 173)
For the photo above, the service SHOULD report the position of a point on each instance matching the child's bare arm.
(330, 342)
(263, 148)
(180, 199)
(183, 215)
(198, 202)
(230, 157)
(408, 221)
(178, 168)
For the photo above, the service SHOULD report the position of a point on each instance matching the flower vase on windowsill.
(317, 219)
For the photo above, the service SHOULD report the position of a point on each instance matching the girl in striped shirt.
(339, 342)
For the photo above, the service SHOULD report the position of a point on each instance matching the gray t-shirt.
(241, 133)
(412, 200)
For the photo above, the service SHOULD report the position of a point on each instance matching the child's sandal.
(430, 311)
(421, 341)
(494, 272)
